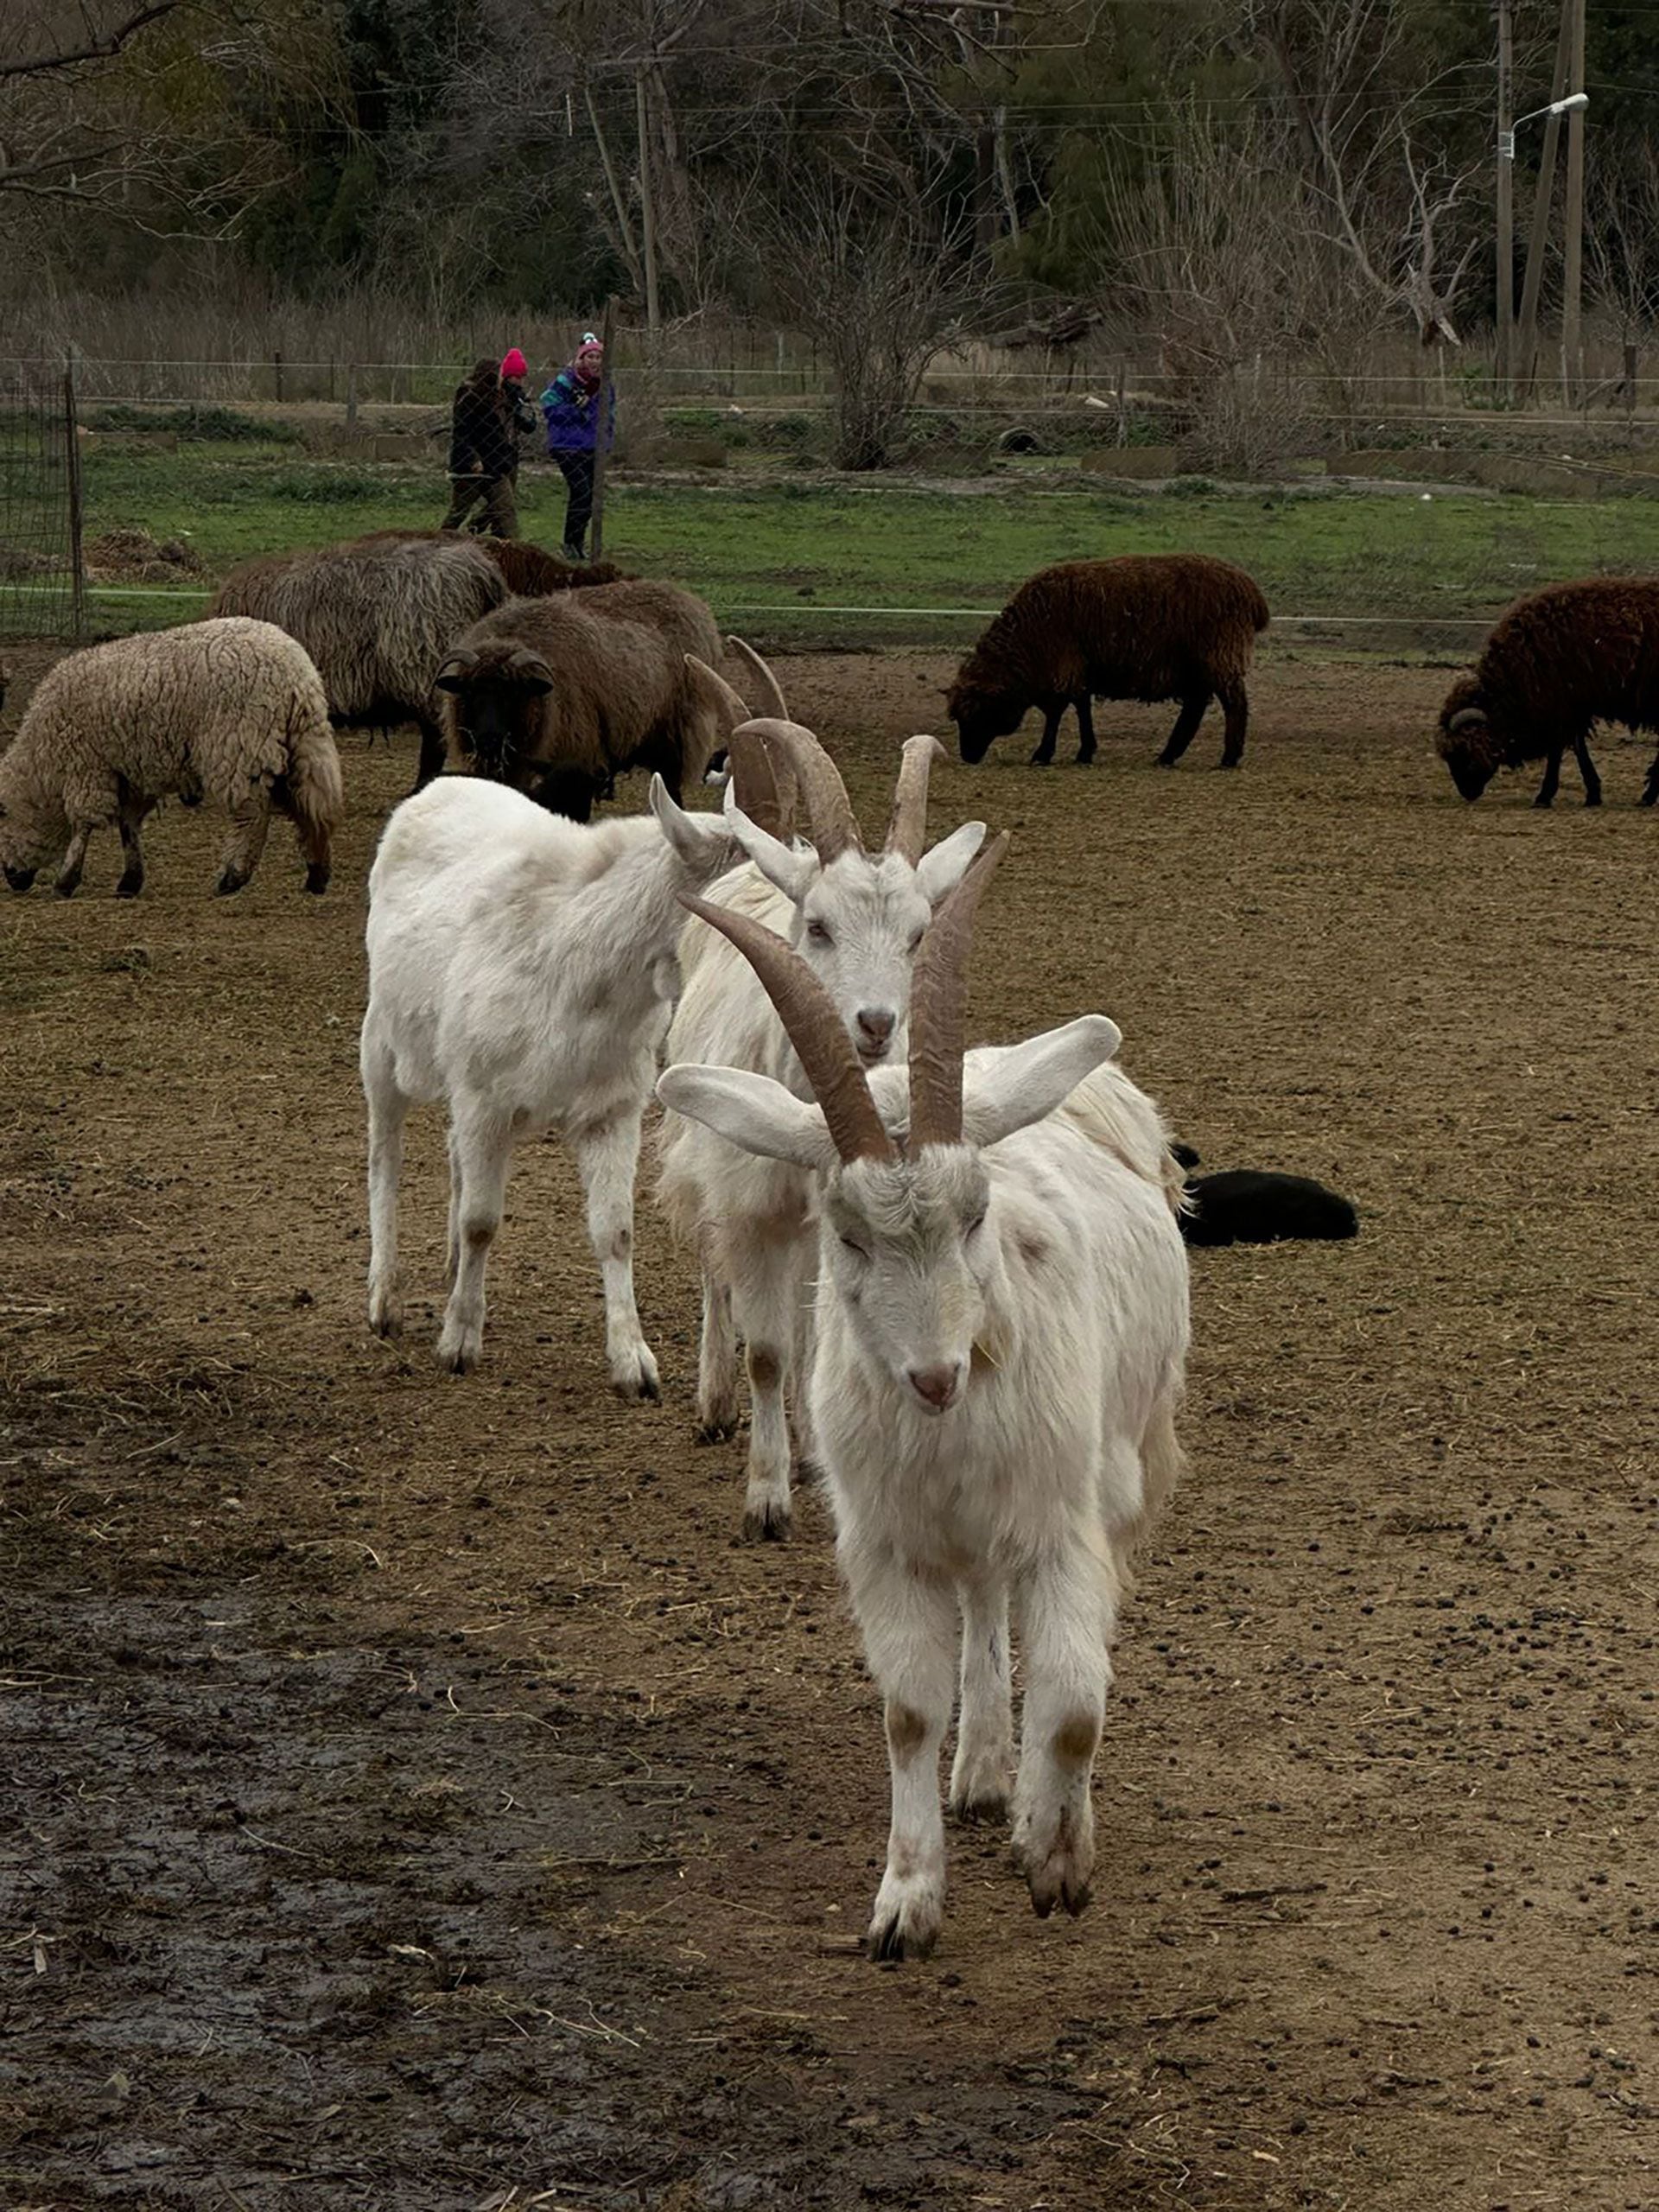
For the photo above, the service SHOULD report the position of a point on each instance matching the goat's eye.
(916, 943)
(978, 1222)
(818, 933)
(851, 1244)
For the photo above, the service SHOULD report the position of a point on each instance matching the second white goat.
(522, 969)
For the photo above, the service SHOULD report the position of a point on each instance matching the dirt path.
(416, 1797)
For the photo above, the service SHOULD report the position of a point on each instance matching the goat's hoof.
(1083, 760)
(980, 1805)
(458, 1351)
(1542, 801)
(230, 882)
(386, 1315)
(1224, 762)
(130, 887)
(1057, 1869)
(1592, 799)
(767, 1522)
(908, 1915)
(635, 1378)
(1165, 761)
(715, 1428)
(316, 878)
(67, 885)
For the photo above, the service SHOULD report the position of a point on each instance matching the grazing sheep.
(1245, 1205)
(531, 570)
(1002, 1331)
(1157, 625)
(558, 696)
(522, 970)
(378, 617)
(1556, 661)
(229, 708)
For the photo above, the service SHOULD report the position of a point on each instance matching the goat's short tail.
(316, 794)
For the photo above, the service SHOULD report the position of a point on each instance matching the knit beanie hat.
(589, 344)
(513, 363)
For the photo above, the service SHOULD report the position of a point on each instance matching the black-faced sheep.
(558, 696)
(1556, 661)
(1157, 626)
(378, 617)
(231, 709)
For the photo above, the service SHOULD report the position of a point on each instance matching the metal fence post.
(71, 438)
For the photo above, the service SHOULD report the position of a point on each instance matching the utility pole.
(1572, 292)
(1505, 184)
(647, 209)
(1526, 337)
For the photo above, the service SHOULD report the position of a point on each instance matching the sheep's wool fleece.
(219, 705)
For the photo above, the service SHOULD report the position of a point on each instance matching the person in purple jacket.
(571, 406)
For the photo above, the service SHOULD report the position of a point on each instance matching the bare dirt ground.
(415, 1796)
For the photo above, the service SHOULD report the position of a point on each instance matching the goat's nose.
(875, 1024)
(935, 1386)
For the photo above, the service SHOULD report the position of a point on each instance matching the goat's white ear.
(751, 1111)
(789, 872)
(694, 837)
(1010, 1089)
(939, 872)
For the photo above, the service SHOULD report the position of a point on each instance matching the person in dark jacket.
(571, 406)
(483, 454)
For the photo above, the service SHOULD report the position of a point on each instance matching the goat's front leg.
(607, 1155)
(481, 1147)
(766, 1292)
(717, 1350)
(908, 1624)
(1068, 1613)
(388, 1111)
(979, 1774)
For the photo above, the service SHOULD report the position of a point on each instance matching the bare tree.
(1622, 237)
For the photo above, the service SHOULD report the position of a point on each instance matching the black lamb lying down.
(1244, 1205)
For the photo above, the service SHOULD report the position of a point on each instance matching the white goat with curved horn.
(857, 918)
(1001, 1335)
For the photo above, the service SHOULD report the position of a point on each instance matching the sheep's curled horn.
(460, 663)
(1466, 718)
(826, 1052)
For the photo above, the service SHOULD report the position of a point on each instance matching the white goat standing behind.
(521, 969)
(857, 918)
(1002, 1341)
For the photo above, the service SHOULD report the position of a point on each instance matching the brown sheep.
(558, 696)
(529, 570)
(1146, 625)
(1556, 661)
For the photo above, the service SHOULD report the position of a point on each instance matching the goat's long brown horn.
(808, 1012)
(736, 708)
(907, 829)
(754, 780)
(832, 824)
(939, 1008)
(770, 690)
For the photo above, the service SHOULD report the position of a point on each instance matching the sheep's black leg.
(1187, 727)
(1551, 784)
(1236, 706)
(1650, 789)
(131, 821)
(1085, 731)
(1044, 753)
(432, 753)
(1587, 770)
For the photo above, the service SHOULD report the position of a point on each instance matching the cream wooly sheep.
(1151, 625)
(1002, 1335)
(230, 709)
(857, 918)
(521, 969)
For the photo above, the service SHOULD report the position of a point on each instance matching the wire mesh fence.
(40, 583)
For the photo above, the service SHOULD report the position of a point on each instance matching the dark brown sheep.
(1557, 661)
(558, 696)
(1152, 625)
(530, 570)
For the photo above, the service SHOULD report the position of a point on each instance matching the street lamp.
(1570, 106)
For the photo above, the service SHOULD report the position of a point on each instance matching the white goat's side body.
(521, 969)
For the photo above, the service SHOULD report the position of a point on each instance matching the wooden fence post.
(602, 436)
(351, 394)
(71, 436)
(276, 371)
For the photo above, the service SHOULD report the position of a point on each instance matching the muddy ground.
(416, 1797)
